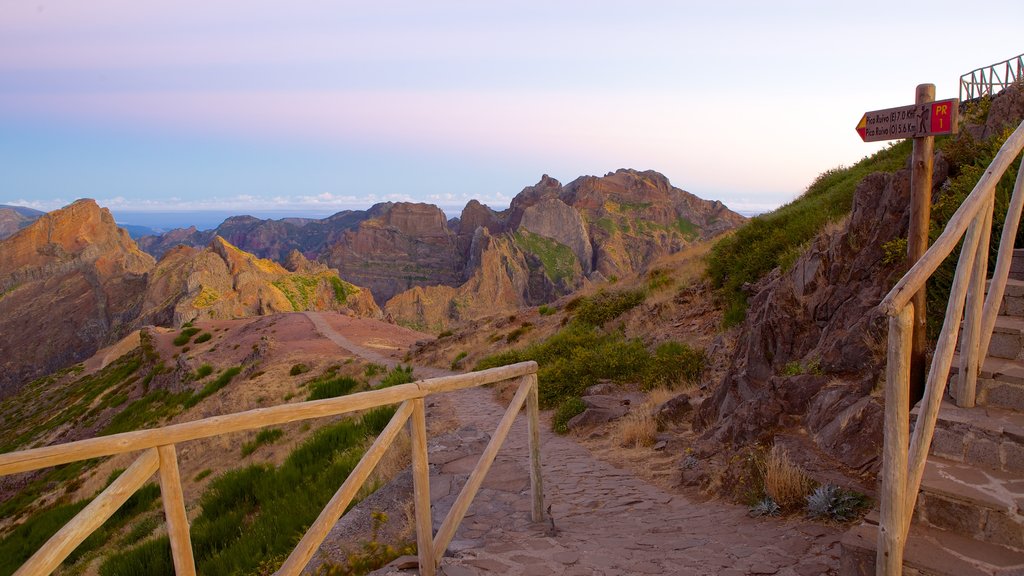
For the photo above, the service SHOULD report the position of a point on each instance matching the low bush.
(265, 436)
(397, 375)
(569, 408)
(331, 388)
(297, 369)
(204, 337)
(185, 335)
(457, 362)
(606, 305)
(203, 371)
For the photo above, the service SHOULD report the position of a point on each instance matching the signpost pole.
(917, 240)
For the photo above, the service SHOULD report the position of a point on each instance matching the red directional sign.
(914, 121)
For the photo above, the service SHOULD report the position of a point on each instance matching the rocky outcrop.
(500, 284)
(223, 282)
(403, 246)
(556, 220)
(811, 349)
(70, 283)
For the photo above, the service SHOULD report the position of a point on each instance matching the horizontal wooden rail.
(160, 455)
(36, 458)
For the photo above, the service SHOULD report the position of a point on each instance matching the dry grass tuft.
(784, 481)
(638, 428)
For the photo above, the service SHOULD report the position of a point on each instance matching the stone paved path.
(606, 520)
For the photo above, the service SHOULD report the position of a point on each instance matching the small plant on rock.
(831, 502)
(766, 507)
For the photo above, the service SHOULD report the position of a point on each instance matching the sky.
(314, 107)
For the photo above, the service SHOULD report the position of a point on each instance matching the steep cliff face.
(500, 284)
(70, 283)
(405, 245)
(224, 282)
(811, 349)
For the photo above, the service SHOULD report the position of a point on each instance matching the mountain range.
(72, 281)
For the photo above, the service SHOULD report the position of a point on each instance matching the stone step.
(929, 552)
(1017, 264)
(1000, 383)
(971, 501)
(1007, 337)
(1013, 298)
(982, 436)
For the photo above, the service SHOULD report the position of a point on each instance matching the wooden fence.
(159, 454)
(989, 80)
(903, 467)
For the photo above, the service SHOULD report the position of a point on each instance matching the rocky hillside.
(14, 218)
(223, 282)
(548, 243)
(811, 351)
(70, 282)
(73, 282)
(554, 239)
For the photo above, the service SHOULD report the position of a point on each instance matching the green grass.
(300, 289)
(558, 260)
(688, 229)
(342, 289)
(204, 337)
(265, 436)
(185, 335)
(331, 387)
(397, 375)
(203, 371)
(297, 369)
(257, 513)
(569, 408)
(457, 362)
(777, 238)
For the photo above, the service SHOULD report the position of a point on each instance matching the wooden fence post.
(533, 423)
(421, 490)
(889, 561)
(174, 511)
(917, 240)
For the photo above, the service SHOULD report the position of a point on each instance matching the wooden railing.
(902, 470)
(990, 79)
(159, 455)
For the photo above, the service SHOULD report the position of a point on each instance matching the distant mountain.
(136, 231)
(14, 218)
(593, 227)
(73, 281)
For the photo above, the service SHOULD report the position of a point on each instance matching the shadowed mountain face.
(14, 218)
(73, 281)
(550, 241)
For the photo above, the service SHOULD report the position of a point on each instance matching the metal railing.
(160, 455)
(989, 80)
(903, 466)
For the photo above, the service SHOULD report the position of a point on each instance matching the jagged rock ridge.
(73, 281)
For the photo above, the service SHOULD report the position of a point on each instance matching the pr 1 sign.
(914, 121)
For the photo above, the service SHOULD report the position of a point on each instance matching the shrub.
(566, 410)
(546, 310)
(265, 436)
(185, 335)
(516, 334)
(204, 337)
(297, 369)
(397, 375)
(203, 371)
(445, 334)
(202, 474)
(675, 362)
(457, 362)
(603, 306)
(331, 388)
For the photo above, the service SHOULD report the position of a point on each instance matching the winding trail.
(606, 520)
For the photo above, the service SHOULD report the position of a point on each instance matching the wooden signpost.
(921, 121)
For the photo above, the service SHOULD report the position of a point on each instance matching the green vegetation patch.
(252, 517)
(299, 289)
(265, 436)
(606, 305)
(397, 375)
(204, 337)
(342, 289)
(206, 297)
(558, 260)
(580, 355)
(688, 229)
(778, 237)
(332, 387)
(186, 334)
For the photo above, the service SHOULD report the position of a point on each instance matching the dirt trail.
(606, 520)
